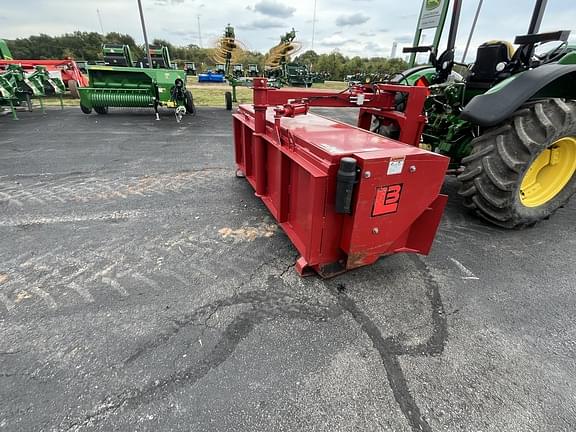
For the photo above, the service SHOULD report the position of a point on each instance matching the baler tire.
(85, 110)
(73, 89)
(500, 158)
(228, 99)
(101, 110)
(189, 102)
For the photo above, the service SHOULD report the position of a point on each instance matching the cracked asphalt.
(143, 287)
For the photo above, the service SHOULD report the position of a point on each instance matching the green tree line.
(88, 46)
(78, 45)
(339, 66)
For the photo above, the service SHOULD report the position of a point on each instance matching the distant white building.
(394, 48)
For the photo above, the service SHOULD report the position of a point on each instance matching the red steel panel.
(68, 68)
(293, 164)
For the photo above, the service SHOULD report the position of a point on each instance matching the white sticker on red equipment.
(395, 166)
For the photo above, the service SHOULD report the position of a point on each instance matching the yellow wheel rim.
(549, 173)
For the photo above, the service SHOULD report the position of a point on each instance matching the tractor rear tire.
(189, 102)
(101, 110)
(85, 110)
(73, 89)
(228, 99)
(494, 182)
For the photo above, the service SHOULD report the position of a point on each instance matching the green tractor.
(508, 122)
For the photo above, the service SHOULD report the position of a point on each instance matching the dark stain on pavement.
(265, 306)
(390, 348)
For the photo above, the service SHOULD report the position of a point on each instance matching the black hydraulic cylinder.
(345, 180)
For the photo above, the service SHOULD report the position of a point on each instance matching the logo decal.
(387, 200)
(432, 4)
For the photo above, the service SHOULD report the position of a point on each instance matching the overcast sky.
(353, 27)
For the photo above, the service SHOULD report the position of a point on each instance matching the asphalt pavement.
(144, 287)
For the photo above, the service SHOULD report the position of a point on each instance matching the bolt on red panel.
(296, 166)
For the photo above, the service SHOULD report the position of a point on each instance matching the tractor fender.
(501, 101)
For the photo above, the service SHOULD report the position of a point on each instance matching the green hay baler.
(133, 87)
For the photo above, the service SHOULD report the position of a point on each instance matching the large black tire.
(501, 157)
(85, 110)
(189, 102)
(228, 99)
(101, 110)
(73, 89)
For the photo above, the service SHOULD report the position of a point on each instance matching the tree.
(353, 66)
(332, 64)
(308, 58)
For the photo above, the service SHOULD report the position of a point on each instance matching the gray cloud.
(168, 2)
(181, 32)
(274, 9)
(336, 41)
(351, 20)
(260, 24)
(404, 38)
(374, 48)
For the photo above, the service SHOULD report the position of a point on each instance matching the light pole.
(199, 33)
(313, 26)
(100, 21)
(145, 35)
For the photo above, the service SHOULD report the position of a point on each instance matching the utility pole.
(199, 33)
(145, 35)
(100, 21)
(313, 26)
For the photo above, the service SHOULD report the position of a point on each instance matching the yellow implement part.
(549, 173)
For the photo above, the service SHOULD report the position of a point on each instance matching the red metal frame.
(374, 100)
(292, 158)
(68, 69)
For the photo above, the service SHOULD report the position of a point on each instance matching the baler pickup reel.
(343, 195)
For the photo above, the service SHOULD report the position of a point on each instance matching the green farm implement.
(190, 69)
(4, 50)
(227, 48)
(136, 87)
(253, 71)
(160, 57)
(508, 122)
(282, 71)
(18, 87)
(117, 55)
